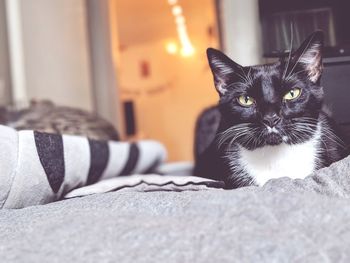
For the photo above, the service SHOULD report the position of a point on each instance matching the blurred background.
(142, 64)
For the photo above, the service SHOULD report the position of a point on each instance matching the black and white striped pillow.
(37, 168)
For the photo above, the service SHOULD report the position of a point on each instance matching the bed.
(284, 221)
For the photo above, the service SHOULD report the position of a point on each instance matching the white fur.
(224, 70)
(294, 161)
(271, 130)
(311, 58)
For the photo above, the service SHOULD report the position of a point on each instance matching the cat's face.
(270, 104)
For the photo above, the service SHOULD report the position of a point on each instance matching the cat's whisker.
(250, 78)
(242, 77)
(245, 75)
(307, 128)
(233, 140)
(237, 133)
(232, 133)
(290, 77)
(290, 54)
(300, 57)
(250, 137)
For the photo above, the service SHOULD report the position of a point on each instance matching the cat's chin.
(273, 139)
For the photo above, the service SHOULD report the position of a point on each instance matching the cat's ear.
(223, 69)
(309, 56)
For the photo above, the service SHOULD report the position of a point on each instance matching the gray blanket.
(284, 221)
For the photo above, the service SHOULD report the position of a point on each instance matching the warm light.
(171, 48)
(177, 10)
(187, 50)
(182, 31)
(172, 2)
(180, 20)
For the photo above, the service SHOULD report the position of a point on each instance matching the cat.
(272, 122)
(206, 127)
(45, 116)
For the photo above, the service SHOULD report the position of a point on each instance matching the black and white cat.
(272, 123)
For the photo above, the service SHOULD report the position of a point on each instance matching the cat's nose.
(271, 120)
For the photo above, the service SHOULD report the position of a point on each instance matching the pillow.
(38, 168)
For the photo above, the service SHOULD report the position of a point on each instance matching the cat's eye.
(245, 100)
(292, 94)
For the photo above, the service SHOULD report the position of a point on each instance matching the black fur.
(296, 120)
(206, 128)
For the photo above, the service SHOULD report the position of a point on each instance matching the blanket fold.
(332, 181)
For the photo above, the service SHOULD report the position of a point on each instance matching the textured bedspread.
(284, 221)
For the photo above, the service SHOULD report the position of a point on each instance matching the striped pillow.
(38, 168)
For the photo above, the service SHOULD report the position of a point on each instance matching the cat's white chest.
(294, 161)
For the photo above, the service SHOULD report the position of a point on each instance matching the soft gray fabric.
(284, 221)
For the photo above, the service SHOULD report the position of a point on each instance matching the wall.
(102, 63)
(54, 42)
(5, 77)
(169, 101)
(241, 32)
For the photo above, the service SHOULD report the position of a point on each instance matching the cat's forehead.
(266, 70)
(265, 81)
